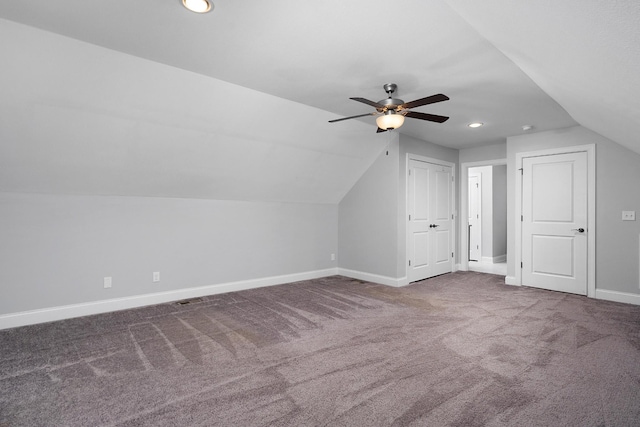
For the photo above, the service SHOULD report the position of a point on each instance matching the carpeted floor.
(461, 349)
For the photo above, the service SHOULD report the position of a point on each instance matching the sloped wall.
(112, 165)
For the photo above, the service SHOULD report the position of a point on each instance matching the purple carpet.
(461, 349)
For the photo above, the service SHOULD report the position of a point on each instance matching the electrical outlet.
(628, 215)
(333, 257)
(156, 276)
(107, 282)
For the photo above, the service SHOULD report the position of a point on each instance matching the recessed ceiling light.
(527, 127)
(197, 6)
(475, 125)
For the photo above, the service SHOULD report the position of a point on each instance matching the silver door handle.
(433, 225)
(579, 230)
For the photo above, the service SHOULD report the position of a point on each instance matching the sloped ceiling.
(174, 104)
(584, 54)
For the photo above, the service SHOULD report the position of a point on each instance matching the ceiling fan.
(392, 111)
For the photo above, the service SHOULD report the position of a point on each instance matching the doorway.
(474, 223)
(484, 207)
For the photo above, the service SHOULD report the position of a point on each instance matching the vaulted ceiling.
(256, 82)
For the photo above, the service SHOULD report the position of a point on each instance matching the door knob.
(433, 225)
(579, 230)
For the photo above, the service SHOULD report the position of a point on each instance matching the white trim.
(493, 259)
(374, 278)
(464, 206)
(618, 296)
(511, 280)
(51, 314)
(420, 158)
(480, 213)
(590, 149)
(499, 259)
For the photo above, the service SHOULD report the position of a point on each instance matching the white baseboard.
(499, 259)
(511, 280)
(51, 314)
(375, 278)
(495, 259)
(618, 296)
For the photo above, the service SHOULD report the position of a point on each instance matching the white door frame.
(464, 206)
(590, 149)
(406, 206)
(479, 176)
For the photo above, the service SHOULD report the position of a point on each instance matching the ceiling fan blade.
(424, 101)
(381, 130)
(426, 116)
(351, 117)
(366, 101)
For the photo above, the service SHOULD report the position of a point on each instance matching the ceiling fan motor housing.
(390, 103)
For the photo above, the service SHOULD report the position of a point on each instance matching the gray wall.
(56, 249)
(617, 189)
(372, 226)
(485, 152)
(367, 225)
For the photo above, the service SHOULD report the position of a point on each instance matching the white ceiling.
(322, 53)
(77, 118)
(584, 54)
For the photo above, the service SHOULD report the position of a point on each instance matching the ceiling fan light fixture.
(475, 124)
(197, 6)
(390, 120)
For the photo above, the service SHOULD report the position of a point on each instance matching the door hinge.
(409, 172)
(521, 218)
(520, 265)
(409, 217)
(451, 216)
(451, 254)
(477, 186)
(409, 263)
(521, 171)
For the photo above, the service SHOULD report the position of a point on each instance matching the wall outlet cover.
(628, 215)
(107, 282)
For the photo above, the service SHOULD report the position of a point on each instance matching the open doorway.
(484, 209)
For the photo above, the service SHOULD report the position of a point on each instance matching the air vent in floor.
(189, 301)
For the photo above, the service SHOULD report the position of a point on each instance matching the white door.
(554, 222)
(429, 225)
(475, 234)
